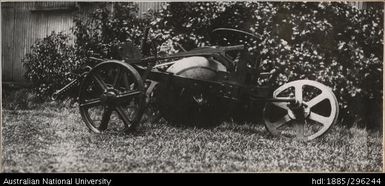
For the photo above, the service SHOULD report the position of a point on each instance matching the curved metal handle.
(235, 47)
(238, 31)
(63, 91)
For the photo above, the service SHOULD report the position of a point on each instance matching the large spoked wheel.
(112, 97)
(315, 110)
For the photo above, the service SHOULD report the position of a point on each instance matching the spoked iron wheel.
(317, 111)
(112, 97)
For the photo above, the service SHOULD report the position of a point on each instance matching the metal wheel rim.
(115, 107)
(326, 94)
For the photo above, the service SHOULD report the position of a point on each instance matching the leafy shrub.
(102, 32)
(50, 63)
(333, 43)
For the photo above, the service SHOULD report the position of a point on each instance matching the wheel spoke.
(125, 80)
(100, 82)
(91, 103)
(123, 116)
(116, 78)
(105, 119)
(125, 96)
(280, 122)
(298, 92)
(316, 100)
(320, 119)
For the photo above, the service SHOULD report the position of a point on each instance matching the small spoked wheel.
(312, 114)
(112, 97)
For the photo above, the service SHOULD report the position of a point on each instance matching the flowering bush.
(333, 43)
(50, 63)
(102, 32)
(52, 60)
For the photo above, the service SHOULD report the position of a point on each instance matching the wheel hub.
(109, 96)
(294, 111)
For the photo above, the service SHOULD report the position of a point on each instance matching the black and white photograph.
(192, 87)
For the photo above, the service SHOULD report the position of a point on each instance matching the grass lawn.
(52, 138)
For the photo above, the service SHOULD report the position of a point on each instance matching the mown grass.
(52, 138)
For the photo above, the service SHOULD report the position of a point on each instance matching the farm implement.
(195, 87)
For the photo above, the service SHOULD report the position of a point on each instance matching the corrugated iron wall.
(145, 6)
(24, 22)
(359, 5)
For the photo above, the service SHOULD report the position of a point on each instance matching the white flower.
(340, 45)
(264, 51)
(283, 42)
